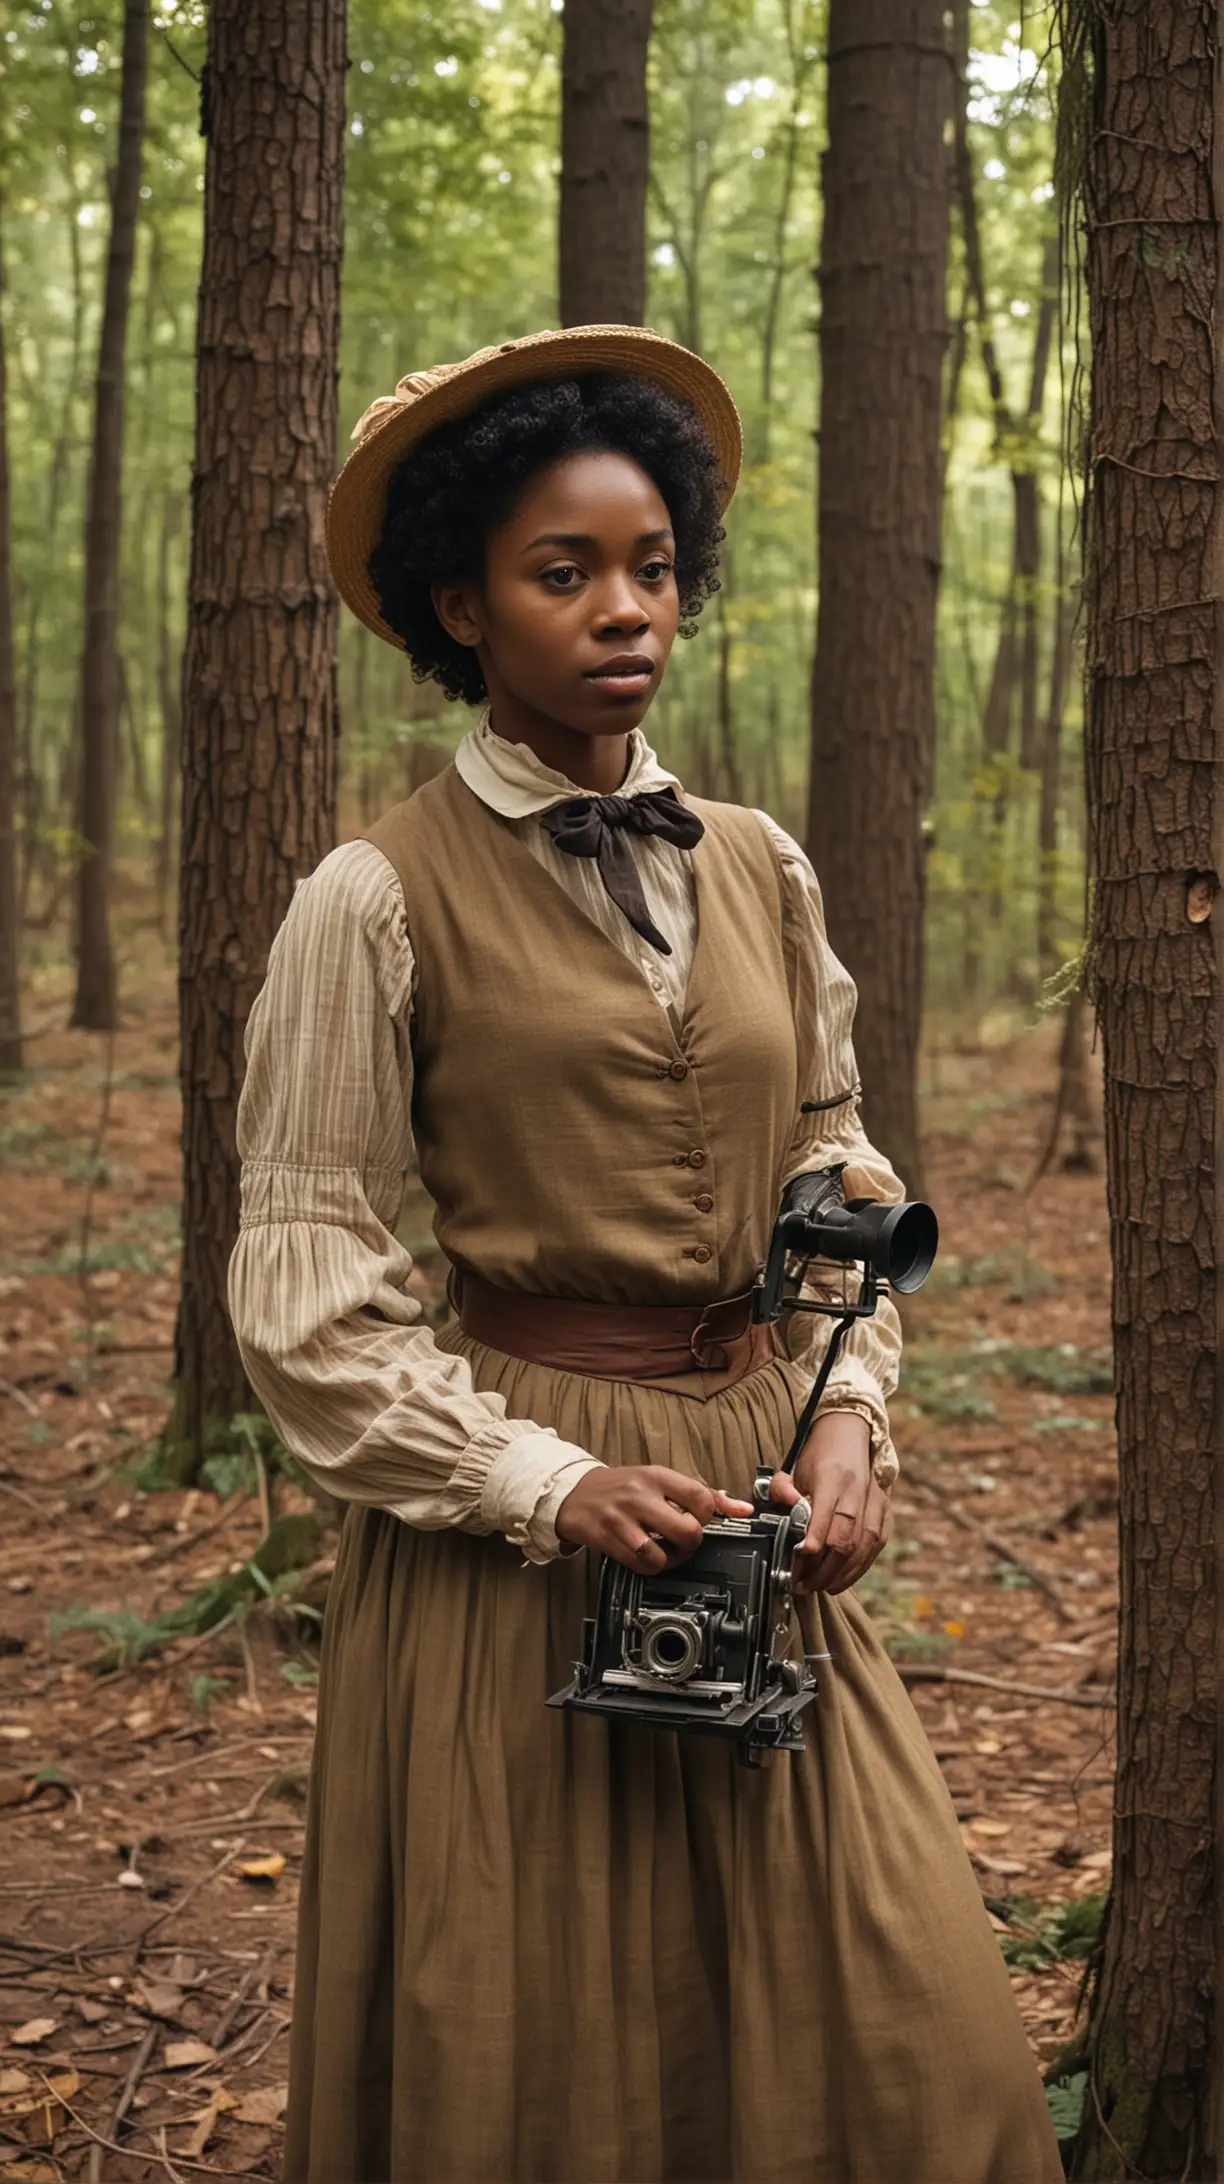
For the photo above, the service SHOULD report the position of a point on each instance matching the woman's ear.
(454, 606)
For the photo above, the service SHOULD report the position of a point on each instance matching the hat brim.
(359, 495)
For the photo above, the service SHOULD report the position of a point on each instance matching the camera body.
(705, 1645)
(710, 1644)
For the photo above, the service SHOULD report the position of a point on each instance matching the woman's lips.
(626, 675)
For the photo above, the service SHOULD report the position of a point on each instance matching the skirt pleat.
(536, 1948)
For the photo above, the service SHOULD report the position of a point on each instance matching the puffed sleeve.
(333, 1339)
(865, 1374)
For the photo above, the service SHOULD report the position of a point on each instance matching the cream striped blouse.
(326, 1304)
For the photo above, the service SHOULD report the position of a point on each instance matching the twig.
(9, 1387)
(255, 1977)
(19, 1494)
(187, 1897)
(175, 2175)
(196, 1539)
(248, 1661)
(131, 2153)
(995, 1541)
(933, 1672)
(124, 2102)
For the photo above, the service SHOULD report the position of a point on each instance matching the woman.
(535, 1949)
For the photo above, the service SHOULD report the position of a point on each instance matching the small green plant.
(300, 1674)
(1062, 1931)
(1066, 2101)
(204, 1690)
(271, 1572)
(1017, 1274)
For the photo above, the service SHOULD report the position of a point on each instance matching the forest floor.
(151, 1813)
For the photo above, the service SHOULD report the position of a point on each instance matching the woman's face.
(578, 608)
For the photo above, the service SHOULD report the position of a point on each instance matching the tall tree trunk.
(94, 1006)
(605, 162)
(883, 282)
(10, 913)
(1155, 622)
(168, 679)
(259, 708)
(1051, 782)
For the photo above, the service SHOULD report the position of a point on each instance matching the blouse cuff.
(525, 1480)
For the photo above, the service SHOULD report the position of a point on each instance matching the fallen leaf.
(14, 1732)
(92, 2012)
(37, 2093)
(38, 2028)
(14, 2081)
(30, 2172)
(265, 2105)
(1099, 1858)
(203, 2126)
(128, 1879)
(991, 1828)
(16, 1789)
(158, 1997)
(181, 2054)
(267, 1868)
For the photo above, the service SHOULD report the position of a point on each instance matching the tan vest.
(576, 1139)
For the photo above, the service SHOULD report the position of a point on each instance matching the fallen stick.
(931, 1672)
(995, 1541)
(132, 2153)
(253, 1978)
(188, 1540)
(126, 2095)
(188, 1896)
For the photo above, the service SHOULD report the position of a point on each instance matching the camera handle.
(846, 1315)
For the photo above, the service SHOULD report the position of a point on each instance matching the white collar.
(514, 782)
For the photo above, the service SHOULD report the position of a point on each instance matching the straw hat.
(423, 400)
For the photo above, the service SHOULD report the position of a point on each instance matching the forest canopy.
(450, 243)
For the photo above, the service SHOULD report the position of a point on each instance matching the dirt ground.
(151, 1814)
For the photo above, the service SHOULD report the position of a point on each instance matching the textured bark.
(94, 1006)
(1051, 784)
(1153, 586)
(605, 162)
(169, 705)
(883, 277)
(259, 716)
(10, 914)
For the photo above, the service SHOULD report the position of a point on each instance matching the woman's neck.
(597, 763)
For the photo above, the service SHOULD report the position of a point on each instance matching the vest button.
(696, 1159)
(705, 1203)
(678, 1070)
(680, 1160)
(702, 1253)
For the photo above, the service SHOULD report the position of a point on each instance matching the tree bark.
(94, 1006)
(10, 912)
(605, 162)
(168, 702)
(1155, 617)
(259, 711)
(1051, 783)
(883, 280)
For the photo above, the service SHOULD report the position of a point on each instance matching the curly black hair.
(463, 480)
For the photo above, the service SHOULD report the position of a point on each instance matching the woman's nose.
(620, 607)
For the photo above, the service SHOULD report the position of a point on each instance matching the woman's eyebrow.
(584, 538)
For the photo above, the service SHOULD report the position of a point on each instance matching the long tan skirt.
(537, 1949)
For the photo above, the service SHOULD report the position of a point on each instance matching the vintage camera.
(709, 1645)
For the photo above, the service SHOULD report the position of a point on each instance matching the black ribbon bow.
(596, 826)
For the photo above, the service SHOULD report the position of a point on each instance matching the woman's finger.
(877, 1522)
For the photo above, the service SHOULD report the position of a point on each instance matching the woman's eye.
(565, 577)
(655, 571)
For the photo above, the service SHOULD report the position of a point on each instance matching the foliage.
(450, 214)
(270, 1573)
(1062, 1932)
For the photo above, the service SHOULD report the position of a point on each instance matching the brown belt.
(710, 1347)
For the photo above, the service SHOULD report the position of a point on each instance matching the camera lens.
(672, 1649)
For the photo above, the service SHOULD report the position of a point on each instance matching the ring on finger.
(648, 1544)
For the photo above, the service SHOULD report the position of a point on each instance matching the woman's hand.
(850, 1513)
(619, 1512)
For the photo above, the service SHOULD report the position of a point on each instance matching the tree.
(94, 1006)
(1139, 82)
(605, 162)
(259, 715)
(10, 929)
(883, 327)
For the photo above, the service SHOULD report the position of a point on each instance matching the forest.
(962, 270)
